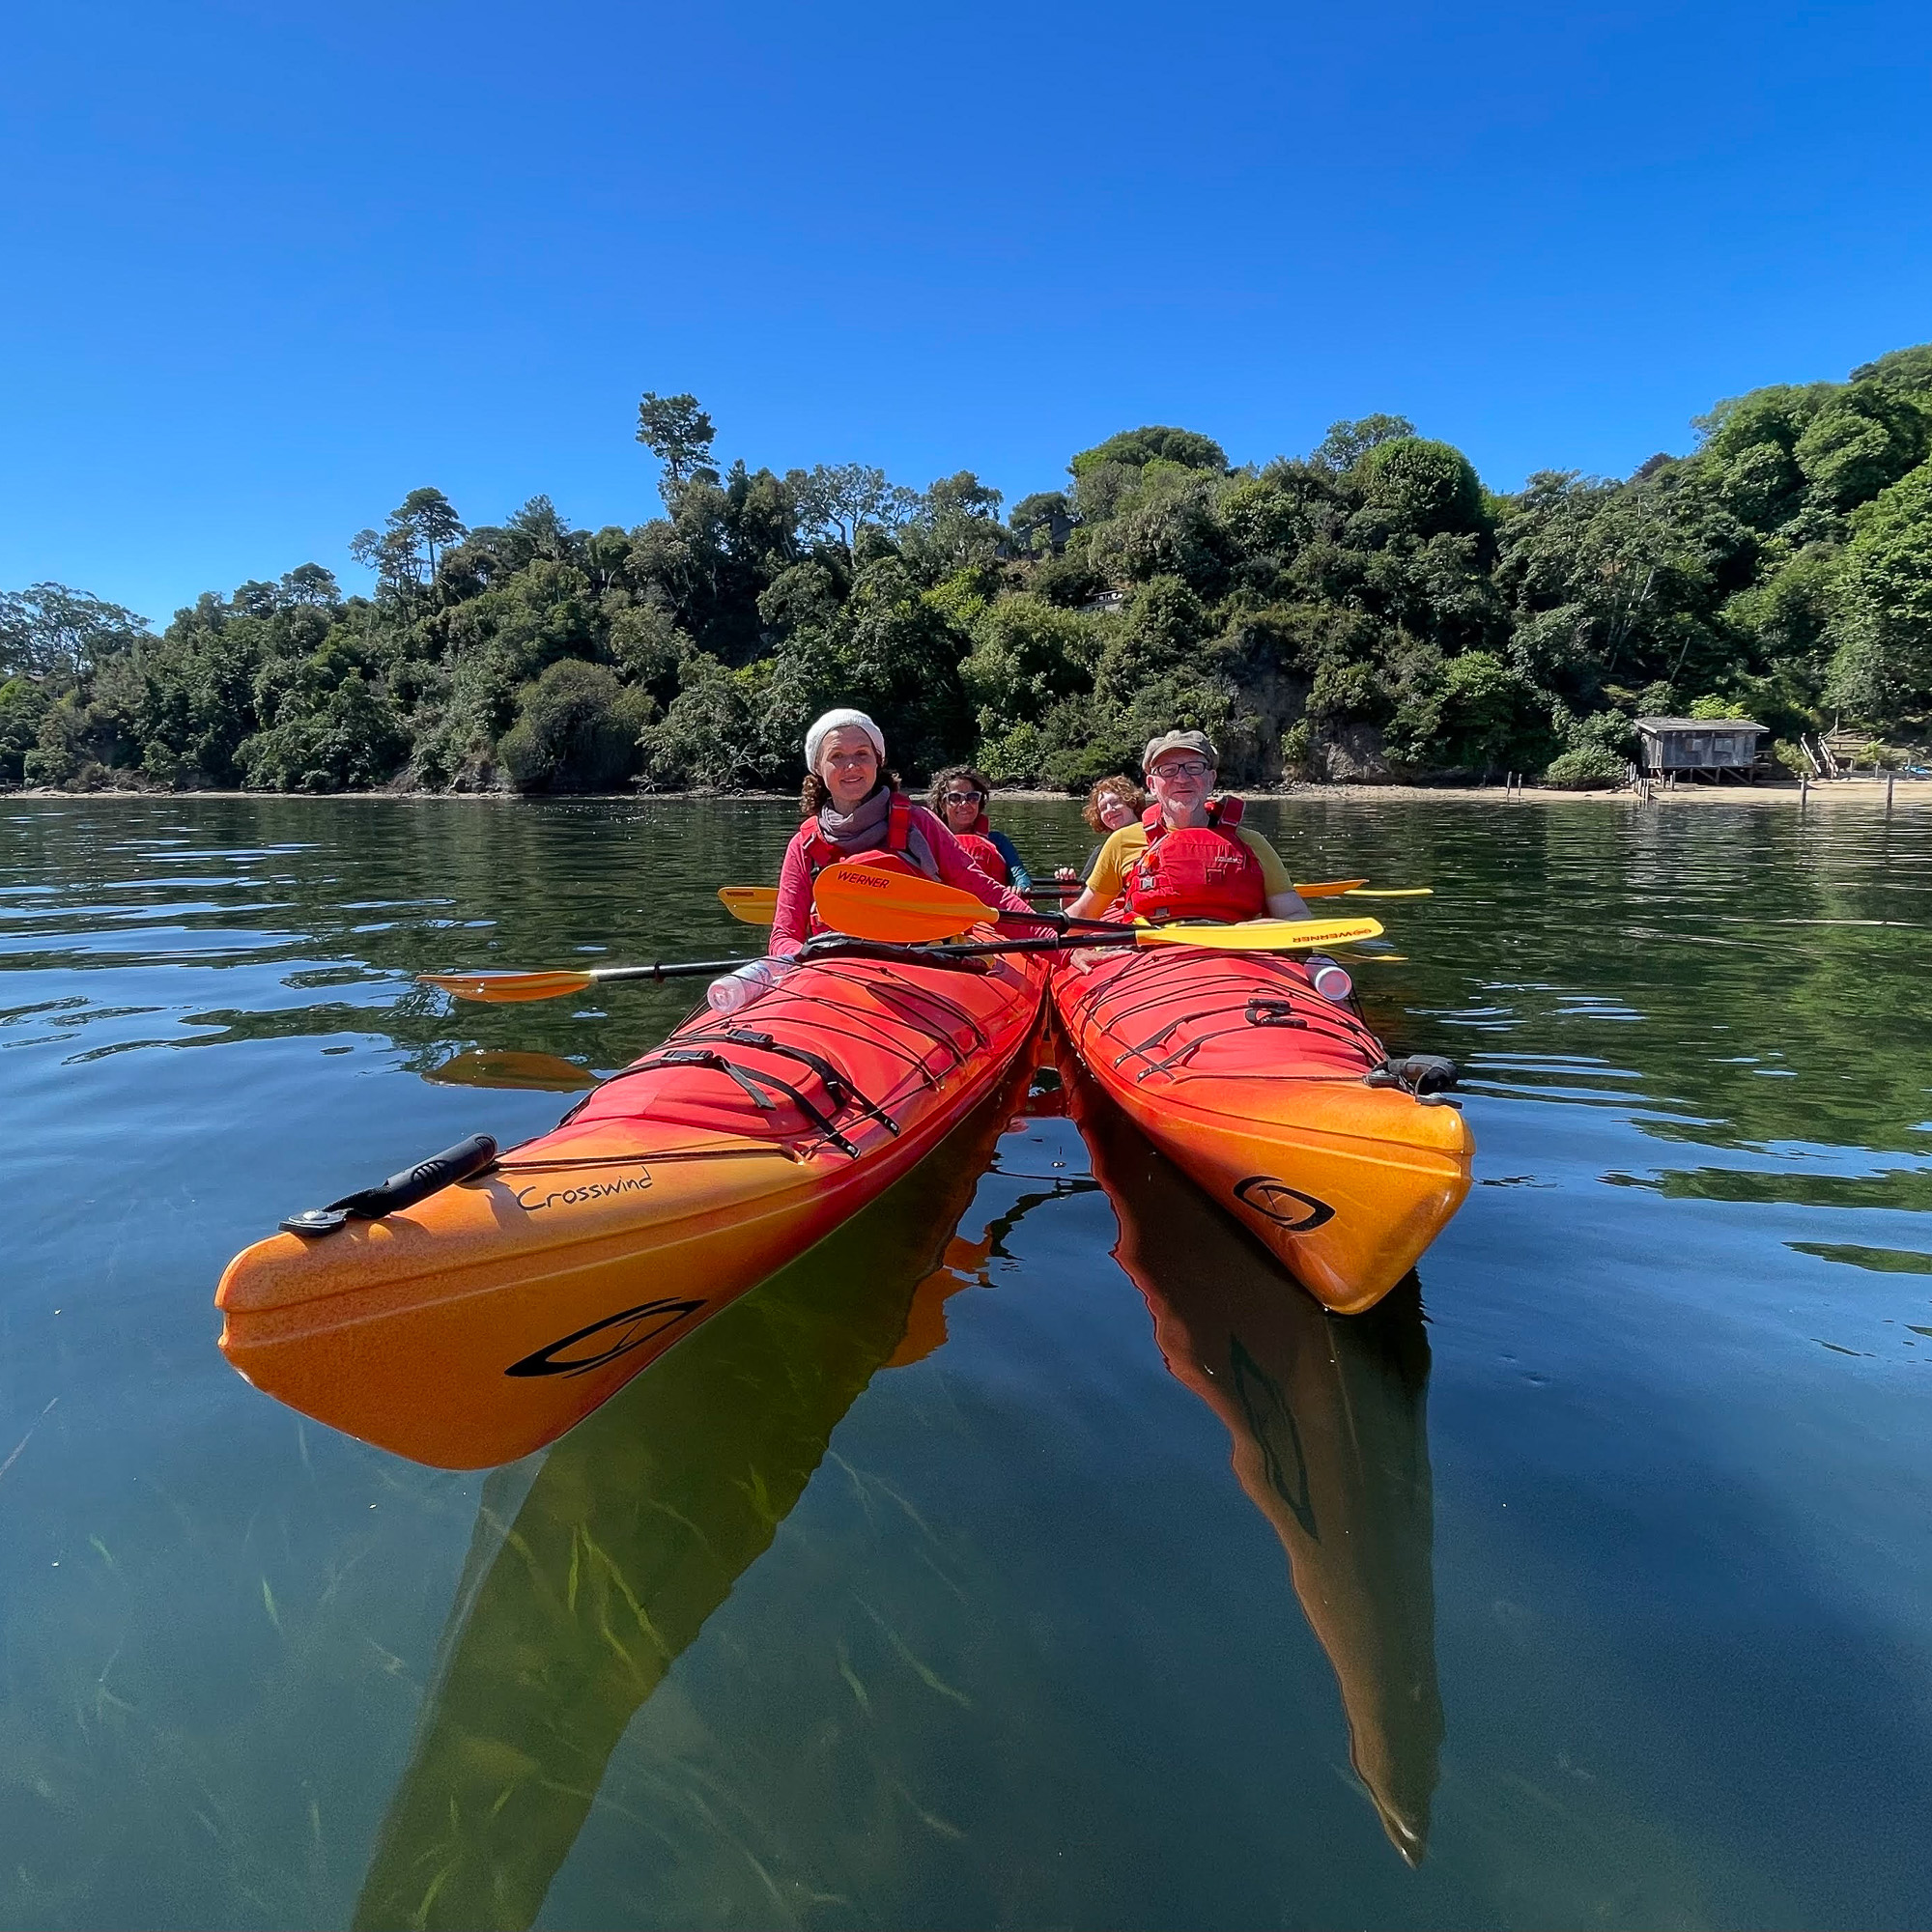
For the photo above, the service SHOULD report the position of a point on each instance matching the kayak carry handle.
(461, 1162)
(1425, 1075)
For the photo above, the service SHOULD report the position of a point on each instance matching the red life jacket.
(1198, 871)
(893, 856)
(985, 854)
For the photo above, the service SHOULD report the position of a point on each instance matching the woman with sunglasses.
(959, 795)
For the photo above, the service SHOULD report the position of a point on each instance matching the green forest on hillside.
(1366, 611)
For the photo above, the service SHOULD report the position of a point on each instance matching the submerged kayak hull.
(1255, 1085)
(482, 1323)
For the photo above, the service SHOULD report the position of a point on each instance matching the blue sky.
(272, 266)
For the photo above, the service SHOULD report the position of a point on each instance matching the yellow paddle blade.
(502, 989)
(1391, 892)
(1330, 889)
(1259, 935)
(755, 905)
(869, 903)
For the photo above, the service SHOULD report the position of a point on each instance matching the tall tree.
(405, 552)
(1347, 442)
(679, 435)
(836, 500)
(50, 631)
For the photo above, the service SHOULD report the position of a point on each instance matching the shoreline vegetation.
(1867, 790)
(1366, 615)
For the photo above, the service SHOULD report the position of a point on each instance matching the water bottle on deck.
(1331, 980)
(734, 990)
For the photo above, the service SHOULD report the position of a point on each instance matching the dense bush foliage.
(1366, 611)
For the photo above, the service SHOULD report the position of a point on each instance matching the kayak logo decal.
(1285, 1206)
(532, 1202)
(629, 1328)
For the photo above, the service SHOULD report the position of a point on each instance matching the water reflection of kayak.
(479, 1323)
(573, 1605)
(1326, 1418)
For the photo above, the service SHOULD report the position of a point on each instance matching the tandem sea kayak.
(1284, 1107)
(479, 1323)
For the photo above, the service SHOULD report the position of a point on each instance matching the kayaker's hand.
(1066, 875)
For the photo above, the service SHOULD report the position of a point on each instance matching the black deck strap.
(838, 1085)
(697, 1056)
(837, 946)
(750, 1079)
(1155, 1039)
(1265, 1013)
(1179, 1056)
(914, 1022)
(1306, 1011)
(461, 1162)
(901, 999)
(945, 1005)
(830, 1012)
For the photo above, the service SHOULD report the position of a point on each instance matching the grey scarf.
(864, 829)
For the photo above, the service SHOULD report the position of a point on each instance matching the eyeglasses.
(1181, 768)
(964, 797)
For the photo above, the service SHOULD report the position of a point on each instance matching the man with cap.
(1189, 856)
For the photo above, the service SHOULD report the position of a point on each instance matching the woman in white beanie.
(855, 812)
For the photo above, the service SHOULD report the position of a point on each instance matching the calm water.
(1029, 1554)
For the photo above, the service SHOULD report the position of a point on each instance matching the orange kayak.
(482, 1321)
(585, 1584)
(1286, 1108)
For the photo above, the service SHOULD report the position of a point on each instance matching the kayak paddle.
(502, 989)
(497, 989)
(758, 905)
(871, 903)
(755, 905)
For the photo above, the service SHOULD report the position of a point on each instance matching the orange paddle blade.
(499, 989)
(869, 903)
(755, 905)
(1330, 889)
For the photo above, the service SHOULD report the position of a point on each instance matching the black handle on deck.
(415, 1183)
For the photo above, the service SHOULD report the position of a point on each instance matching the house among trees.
(1703, 748)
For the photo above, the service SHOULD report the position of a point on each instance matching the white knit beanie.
(834, 721)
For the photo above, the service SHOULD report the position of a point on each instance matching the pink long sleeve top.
(791, 923)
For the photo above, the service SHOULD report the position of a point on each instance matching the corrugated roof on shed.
(1699, 725)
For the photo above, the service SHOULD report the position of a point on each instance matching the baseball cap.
(1178, 741)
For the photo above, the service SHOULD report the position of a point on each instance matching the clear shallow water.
(1028, 1554)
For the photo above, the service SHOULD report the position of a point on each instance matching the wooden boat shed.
(1715, 748)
